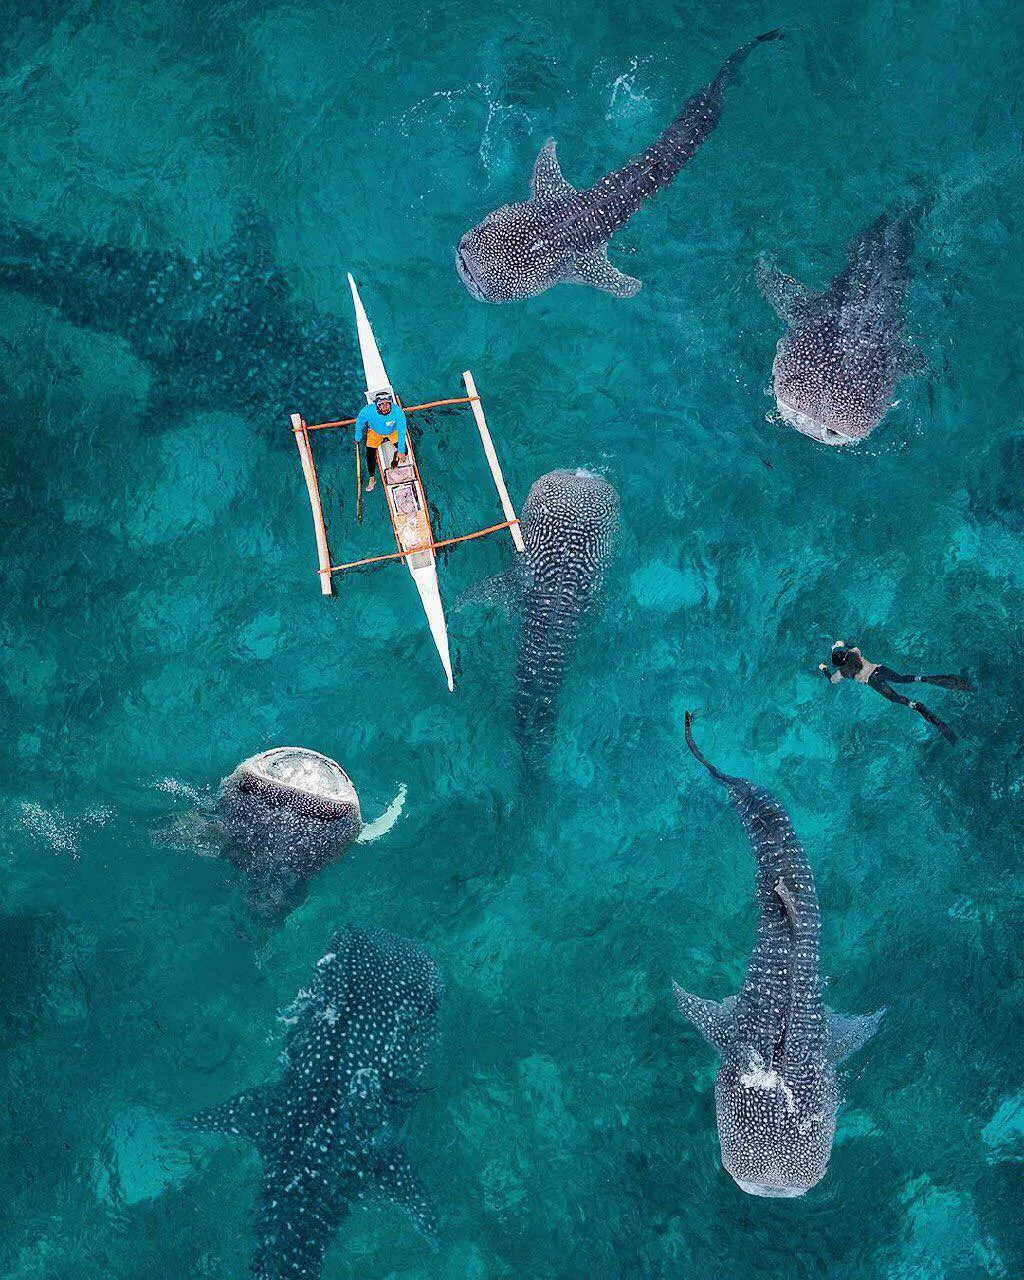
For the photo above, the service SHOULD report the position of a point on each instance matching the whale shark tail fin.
(715, 773)
(735, 60)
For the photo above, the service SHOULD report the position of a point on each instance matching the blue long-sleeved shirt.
(395, 421)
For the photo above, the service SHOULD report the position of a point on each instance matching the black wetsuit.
(850, 664)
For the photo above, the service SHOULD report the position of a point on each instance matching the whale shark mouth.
(773, 1193)
(307, 771)
(468, 277)
(809, 426)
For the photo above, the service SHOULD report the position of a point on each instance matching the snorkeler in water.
(850, 664)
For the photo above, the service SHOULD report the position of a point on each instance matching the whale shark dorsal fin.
(548, 182)
(713, 1019)
(397, 1182)
(785, 896)
(845, 1033)
(792, 300)
(595, 269)
(249, 1114)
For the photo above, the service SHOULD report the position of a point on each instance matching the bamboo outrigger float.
(403, 489)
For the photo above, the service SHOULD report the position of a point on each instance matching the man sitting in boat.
(380, 421)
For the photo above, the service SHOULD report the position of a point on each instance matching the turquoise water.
(161, 621)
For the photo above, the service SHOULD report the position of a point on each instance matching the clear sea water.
(161, 621)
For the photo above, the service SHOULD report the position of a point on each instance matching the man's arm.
(403, 428)
(360, 427)
(832, 677)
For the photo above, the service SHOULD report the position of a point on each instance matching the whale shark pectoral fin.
(249, 1114)
(503, 590)
(382, 825)
(595, 269)
(398, 1183)
(845, 1033)
(909, 362)
(548, 182)
(194, 831)
(713, 1019)
(792, 301)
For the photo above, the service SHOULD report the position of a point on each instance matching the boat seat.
(404, 498)
(404, 473)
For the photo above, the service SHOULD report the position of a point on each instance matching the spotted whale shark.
(281, 817)
(329, 1130)
(776, 1095)
(568, 523)
(286, 814)
(223, 330)
(561, 233)
(838, 364)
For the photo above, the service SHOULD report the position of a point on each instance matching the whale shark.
(776, 1096)
(223, 330)
(838, 364)
(568, 524)
(329, 1130)
(560, 233)
(281, 817)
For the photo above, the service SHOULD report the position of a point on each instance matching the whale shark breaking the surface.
(837, 366)
(329, 1130)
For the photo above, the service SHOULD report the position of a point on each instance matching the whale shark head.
(825, 391)
(507, 256)
(570, 517)
(288, 813)
(775, 1124)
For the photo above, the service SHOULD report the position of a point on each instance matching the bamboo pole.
(427, 546)
(309, 471)
(492, 462)
(412, 408)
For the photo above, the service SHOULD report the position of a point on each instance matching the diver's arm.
(832, 677)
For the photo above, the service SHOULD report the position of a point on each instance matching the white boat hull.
(412, 527)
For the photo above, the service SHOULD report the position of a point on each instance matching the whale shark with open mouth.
(280, 817)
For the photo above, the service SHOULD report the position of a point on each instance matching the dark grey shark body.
(285, 815)
(222, 331)
(329, 1130)
(836, 369)
(568, 524)
(776, 1095)
(560, 234)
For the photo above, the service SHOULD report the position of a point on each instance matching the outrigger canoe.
(404, 492)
